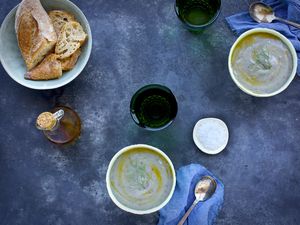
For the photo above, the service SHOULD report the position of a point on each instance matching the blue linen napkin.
(204, 213)
(288, 9)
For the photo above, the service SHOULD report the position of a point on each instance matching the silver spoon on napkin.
(261, 12)
(204, 189)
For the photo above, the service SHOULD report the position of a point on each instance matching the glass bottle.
(61, 125)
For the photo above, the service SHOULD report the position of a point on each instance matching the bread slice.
(59, 18)
(35, 32)
(70, 39)
(50, 68)
(69, 63)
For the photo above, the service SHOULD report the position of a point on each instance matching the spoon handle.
(297, 25)
(186, 215)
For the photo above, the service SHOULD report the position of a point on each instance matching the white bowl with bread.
(45, 44)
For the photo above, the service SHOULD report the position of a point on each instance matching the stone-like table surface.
(137, 42)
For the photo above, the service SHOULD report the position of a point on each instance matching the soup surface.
(262, 63)
(141, 179)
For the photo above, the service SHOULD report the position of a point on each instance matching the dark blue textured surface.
(138, 42)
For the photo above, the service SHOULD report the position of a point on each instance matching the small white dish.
(211, 135)
(11, 58)
(109, 188)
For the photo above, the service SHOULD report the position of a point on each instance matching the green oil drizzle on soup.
(262, 63)
(141, 179)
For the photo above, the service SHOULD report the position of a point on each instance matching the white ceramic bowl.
(108, 185)
(284, 40)
(11, 58)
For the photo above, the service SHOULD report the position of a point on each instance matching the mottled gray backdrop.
(137, 42)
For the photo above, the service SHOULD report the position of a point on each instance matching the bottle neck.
(57, 116)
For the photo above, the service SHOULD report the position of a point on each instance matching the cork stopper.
(46, 121)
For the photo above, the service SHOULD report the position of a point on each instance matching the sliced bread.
(69, 63)
(35, 32)
(50, 68)
(59, 19)
(70, 39)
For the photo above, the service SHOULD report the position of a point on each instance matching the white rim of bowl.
(88, 43)
(284, 40)
(201, 146)
(115, 200)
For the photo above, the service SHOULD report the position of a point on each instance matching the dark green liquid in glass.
(153, 107)
(197, 16)
(197, 13)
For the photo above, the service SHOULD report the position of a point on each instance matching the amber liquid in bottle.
(67, 127)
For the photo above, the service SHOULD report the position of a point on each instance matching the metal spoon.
(204, 189)
(261, 12)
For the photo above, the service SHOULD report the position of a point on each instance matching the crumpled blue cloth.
(204, 213)
(287, 9)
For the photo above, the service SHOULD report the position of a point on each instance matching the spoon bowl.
(261, 12)
(205, 188)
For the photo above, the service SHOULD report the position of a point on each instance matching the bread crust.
(70, 62)
(50, 68)
(35, 32)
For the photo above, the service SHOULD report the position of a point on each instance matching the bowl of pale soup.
(140, 179)
(262, 62)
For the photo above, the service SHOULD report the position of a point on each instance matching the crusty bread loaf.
(69, 63)
(59, 18)
(50, 68)
(35, 32)
(70, 39)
